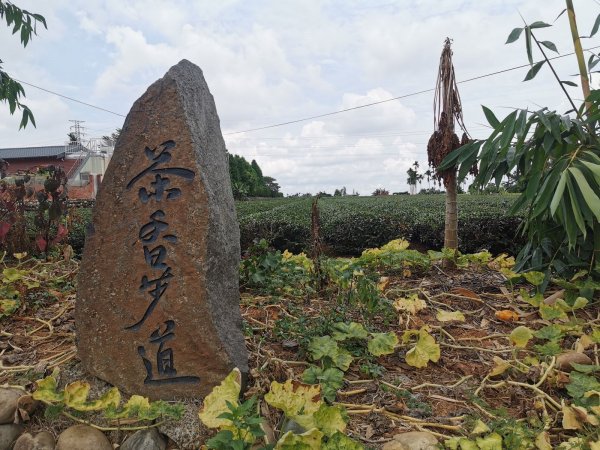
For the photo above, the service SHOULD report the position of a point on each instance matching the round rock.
(41, 441)
(149, 439)
(8, 404)
(9, 434)
(82, 437)
(413, 440)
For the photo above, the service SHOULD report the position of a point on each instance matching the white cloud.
(272, 62)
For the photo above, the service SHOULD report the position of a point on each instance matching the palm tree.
(447, 110)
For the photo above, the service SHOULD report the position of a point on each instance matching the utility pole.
(78, 130)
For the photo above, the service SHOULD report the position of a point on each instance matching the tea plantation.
(351, 224)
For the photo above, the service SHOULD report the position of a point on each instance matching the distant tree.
(247, 179)
(73, 138)
(10, 89)
(380, 191)
(273, 187)
(337, 193)
(111, 140)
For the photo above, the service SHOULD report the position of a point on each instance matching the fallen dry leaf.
(465, 293)
(507, 315)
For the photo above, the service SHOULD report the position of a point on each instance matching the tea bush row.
(351, 224)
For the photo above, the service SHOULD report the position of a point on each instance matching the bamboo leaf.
(514, 35)
(560, 189)
(489, 115)
(539, 24)
(528, 45)
(533, 71)
(575, 209)
(569, 83)
(595, 27)
(592, 200)
(549, 45)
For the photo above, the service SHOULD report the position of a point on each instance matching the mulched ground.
(439, 398)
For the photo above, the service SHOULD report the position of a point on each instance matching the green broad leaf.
(550, 348)
(215, 403)
(425, 350)
(311, 440)
(47, 390)
(492, 441)
(549, 332)
(579, 384)
(512, 37)
(352, 330)
(8, 307)
(450, 316)
(592, 200)
(520, 336)
(343, 359)
(489, 115)
(298, 401)
(323, 346)
(578, 303)
(330, 419)
(584, 368)
(551, 312)
(531, 73)
(466, 444)
(331, 380)
(312, 374)
(11, 274)
(560, 189)
(535, 278)
(549, 45)
(480, 428)
(382, 343)
(340, 441)
(539, 24)
(76, 393)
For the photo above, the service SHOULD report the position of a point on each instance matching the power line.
(395, 98)
(70, 98)
(412, 94)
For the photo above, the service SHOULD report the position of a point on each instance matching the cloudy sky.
(273, 61)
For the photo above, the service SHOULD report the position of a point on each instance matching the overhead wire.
(317, 116)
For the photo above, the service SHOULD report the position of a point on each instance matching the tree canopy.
(11, 90)
(247, 179)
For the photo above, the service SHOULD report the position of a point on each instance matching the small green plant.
(73, 400)
(334, 356)
(320, 425)
(247, 421)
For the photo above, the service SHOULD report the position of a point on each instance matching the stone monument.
(157, 311)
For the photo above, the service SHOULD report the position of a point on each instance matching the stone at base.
(41, 441)
(8, 404)
(149, 439)
(188, 433)
(9, 434)
(413, 440)
(82, 437)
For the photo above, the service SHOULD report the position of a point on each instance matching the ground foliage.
(392, 343)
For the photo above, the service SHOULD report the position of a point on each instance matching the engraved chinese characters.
(157, 312)
(155, 258)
